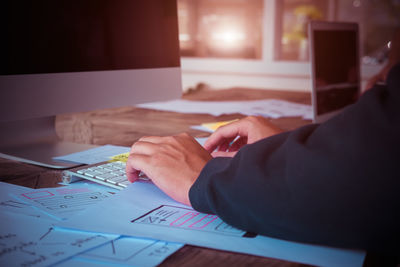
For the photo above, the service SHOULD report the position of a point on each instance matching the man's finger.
(135, 164)
(229, 131)
(225, 144)
(239, 143)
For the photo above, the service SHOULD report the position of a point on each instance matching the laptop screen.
(336, 79)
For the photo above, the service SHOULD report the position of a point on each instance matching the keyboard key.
(118, 179)
(82, 171)
(106, 176)
(122, 164)
(95, 169)
(92, 173)
(120, 172)
(111, 173)
(124, 184)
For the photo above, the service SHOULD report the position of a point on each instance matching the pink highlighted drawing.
(188, 215)
(183, 218)
(65, 191)
(203, 222)
(37, 195)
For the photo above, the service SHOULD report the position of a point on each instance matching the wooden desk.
(123, 126)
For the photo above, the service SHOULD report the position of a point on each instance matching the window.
(292, 21)
(221, 28)
(254, 43)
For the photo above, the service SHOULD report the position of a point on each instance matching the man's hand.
(173, 163)
(242, 132)
(380, 77)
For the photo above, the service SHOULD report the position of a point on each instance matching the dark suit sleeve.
(337, 183)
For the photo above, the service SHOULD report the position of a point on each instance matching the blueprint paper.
(94, 155)
(28, 241)
(126, 251)
(63, 202)
(8, 203)
(145, 211)
(272, 108)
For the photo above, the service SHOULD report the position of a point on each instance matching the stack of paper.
(94, 155)
(272, 108)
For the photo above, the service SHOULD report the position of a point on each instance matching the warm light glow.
(184, 37)
(229, 36)
(220, 28)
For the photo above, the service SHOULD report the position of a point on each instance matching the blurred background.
(263, 43)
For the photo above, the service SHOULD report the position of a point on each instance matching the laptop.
(335, 67)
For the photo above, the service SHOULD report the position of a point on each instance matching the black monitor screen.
(53, 36)
(336, 69)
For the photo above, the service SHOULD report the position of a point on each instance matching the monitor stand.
(35, 141)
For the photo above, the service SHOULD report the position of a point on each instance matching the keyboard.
(111, 174)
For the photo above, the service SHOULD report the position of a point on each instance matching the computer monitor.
(73, 56)
(335, 67)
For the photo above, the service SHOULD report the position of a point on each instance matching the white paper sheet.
(201, 140)
(29, 241)
(141, 212)
(272, 108)
(94, 155)
(99, 154)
